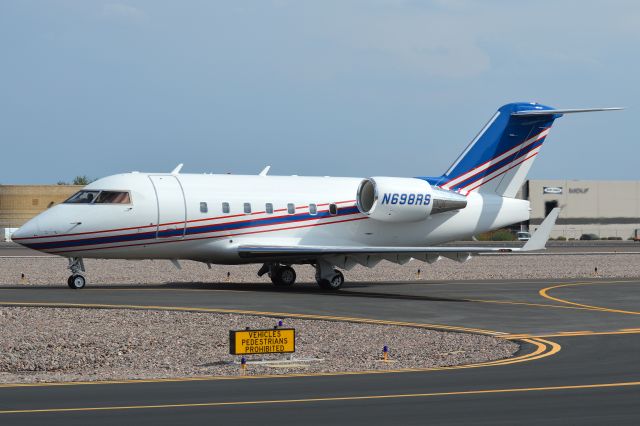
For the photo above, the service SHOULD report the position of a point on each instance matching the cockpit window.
(83, 197)
(100, 197)
(113, 197)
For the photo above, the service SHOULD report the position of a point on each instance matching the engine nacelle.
(404, 199)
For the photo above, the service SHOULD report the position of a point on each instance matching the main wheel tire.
(334, 283)
(76, 281)
(284, 276)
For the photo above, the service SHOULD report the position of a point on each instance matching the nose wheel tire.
(76, 281)
(283, 276)
(332, 284)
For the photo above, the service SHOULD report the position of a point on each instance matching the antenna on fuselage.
(264, 171)
(177, 169)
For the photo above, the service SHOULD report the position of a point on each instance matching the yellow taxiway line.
(535, 305)
(260, 313)
(572, 334)
(326, 399)
(545, 293)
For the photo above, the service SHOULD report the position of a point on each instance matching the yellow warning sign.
(273, 341)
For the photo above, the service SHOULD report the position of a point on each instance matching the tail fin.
(500, 156)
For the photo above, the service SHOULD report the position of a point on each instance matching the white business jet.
(280, 221)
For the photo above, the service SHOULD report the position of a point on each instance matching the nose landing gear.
(76, 281)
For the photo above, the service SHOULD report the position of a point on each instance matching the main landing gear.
(76, 281)
(327, 277)
(281, 275)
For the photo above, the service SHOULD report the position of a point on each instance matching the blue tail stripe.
(512, 158)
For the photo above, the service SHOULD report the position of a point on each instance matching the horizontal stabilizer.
(560, 111)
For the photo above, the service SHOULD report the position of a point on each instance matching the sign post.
(256, 342)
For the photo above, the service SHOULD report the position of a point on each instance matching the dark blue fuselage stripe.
(190, 231)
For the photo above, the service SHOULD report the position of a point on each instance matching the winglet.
(264, 171)
(177, 169)
(538, 240)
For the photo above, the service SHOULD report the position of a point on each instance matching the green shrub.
(503, 235)
(498, 235)
(561, 238)
(486, 236)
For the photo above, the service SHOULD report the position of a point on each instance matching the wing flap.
(397, 254)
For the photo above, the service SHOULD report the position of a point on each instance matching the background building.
(19, 203)
(604, 208)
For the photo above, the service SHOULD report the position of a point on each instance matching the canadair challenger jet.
(280, 221)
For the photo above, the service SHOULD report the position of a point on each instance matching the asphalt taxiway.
(579, 362)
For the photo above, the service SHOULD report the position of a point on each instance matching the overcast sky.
(342, 88)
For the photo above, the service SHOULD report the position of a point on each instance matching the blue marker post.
(385, 353)
(243, 365)
(280, 323)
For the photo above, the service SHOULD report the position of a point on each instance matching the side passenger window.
(203, 207)
(291, 208)
(225, 208)
(268, 208)
(247, 207)
(313, 209)
(333, 209)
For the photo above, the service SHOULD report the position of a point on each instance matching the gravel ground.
(52, 270)
(61, 344)
(46, 344)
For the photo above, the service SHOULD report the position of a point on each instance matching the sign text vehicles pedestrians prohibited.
(271, 341)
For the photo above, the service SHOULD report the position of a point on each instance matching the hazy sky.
(344, 88)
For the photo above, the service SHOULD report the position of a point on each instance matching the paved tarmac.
(579, 362)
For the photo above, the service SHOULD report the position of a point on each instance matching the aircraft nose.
(28, 230)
